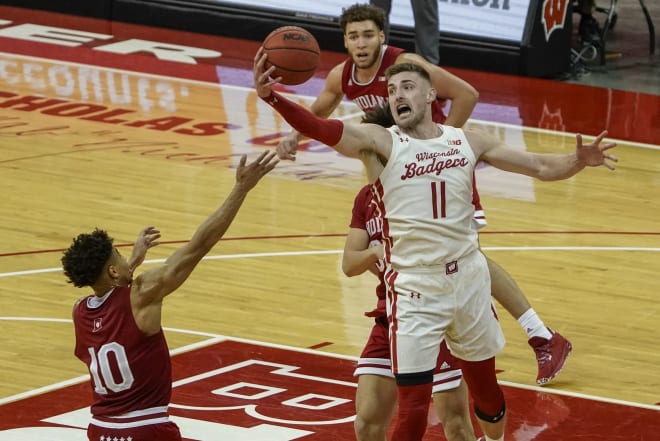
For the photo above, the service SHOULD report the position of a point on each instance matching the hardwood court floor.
(148, 141)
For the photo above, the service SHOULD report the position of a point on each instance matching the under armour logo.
(415, 295)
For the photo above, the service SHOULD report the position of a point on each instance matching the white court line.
(229, 86)
(309, 253)
(215, 338)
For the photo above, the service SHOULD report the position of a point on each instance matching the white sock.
(494, 439)
(533, 325)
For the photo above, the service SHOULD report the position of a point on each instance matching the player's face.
(363, 41)
(120, 268)
(409, 95)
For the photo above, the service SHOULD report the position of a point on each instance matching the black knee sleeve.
(488, 418)
(414, 379)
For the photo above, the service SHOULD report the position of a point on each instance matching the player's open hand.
(262, 80)
(148, 238)
(248, 175)
(594, 154)
(288, 147)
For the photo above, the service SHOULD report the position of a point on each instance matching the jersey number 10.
(99, 367)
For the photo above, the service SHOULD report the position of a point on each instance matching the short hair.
(362, 12)
(85, 259)
(380, 115)
(407, 67)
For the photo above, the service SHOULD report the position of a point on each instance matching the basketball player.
(376, 392)
(375, 398)
(361, 78)
(118, 328)
(438, 284)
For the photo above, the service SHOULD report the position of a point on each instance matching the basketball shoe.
(550, 355)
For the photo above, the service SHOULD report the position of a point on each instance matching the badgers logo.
(554, 16)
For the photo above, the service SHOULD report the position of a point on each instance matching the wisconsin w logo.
(554, 16)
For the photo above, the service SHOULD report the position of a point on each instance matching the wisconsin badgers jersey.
(373, 93)
(425, 196)
(130, 371)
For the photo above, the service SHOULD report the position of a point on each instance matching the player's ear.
(381, 37)
(113, 272)
(432, 95)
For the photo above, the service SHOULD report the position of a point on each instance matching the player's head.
(91, 258)
(380, 115)
(363, 33)
(410, 93)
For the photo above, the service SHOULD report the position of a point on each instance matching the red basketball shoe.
(550, 355)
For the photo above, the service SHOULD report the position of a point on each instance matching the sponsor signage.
(492, 19)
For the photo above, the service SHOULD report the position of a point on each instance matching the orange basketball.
(294, 52)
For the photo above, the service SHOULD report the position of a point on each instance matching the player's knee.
(368, 430)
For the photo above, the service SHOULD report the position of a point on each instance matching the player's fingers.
(607, 146)
(600, 137)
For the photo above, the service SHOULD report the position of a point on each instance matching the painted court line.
(322, 252)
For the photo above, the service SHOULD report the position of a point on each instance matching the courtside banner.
(490, 19)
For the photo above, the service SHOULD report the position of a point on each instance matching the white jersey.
(425, 198)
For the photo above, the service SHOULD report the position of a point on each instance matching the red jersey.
(365, 217)
(130, 371)
(374, 92)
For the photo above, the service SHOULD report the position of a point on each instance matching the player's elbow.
(349, 269)
(473, 94)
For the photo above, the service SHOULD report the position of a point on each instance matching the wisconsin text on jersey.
(436, 166)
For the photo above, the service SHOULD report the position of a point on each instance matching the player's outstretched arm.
(153, 285)
(543, 166)
(324, 104)
(348, 139)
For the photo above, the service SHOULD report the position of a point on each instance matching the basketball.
(294, 52)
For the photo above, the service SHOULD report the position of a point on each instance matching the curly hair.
(362, 12)
(85, 259)
(380, 115)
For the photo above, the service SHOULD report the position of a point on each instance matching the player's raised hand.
(148, 238)
(248, 175)
(593, 154)
(262, 79)
(288, 147)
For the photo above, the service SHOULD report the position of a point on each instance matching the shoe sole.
(544, 381)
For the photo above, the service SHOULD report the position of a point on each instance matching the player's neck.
(366, 75)
(425, 130)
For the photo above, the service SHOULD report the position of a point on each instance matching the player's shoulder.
(335, 75)
(76, 304)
